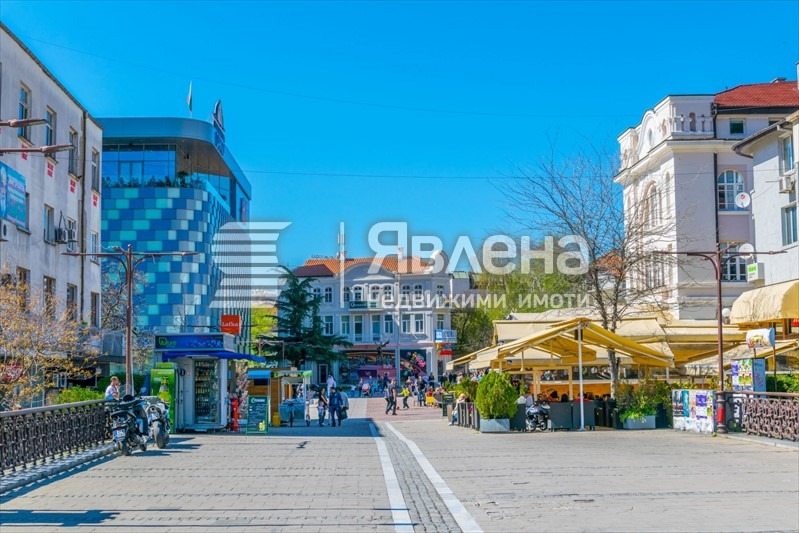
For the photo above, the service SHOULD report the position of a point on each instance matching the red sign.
(445, 352)
(795, 322)
(24, 154)
(50, 169)
(72, 185)
(231, 324)
(95, 200)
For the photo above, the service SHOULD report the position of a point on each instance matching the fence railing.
(31, 435)
(468, 417)
(767, 414)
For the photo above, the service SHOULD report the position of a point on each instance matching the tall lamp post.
(24, 123)
(129, 260)
(716, 257)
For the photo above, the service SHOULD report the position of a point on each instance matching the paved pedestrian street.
(413, 472)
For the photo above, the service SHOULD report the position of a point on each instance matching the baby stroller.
(537, 416)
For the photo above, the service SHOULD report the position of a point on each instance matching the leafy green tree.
(299, 325)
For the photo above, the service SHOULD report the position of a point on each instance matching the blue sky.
(327, 103)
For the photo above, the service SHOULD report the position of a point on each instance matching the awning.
(219, 355)
(767, 304)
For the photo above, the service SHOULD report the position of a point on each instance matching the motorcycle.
(158, 418)
(537, 416)
(127, 424)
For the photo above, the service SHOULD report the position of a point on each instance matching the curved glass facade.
(160, 197)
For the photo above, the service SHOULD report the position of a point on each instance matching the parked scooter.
(129, 424)
(537, 416)
(158, 418)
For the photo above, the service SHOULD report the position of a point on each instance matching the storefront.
(203, 377)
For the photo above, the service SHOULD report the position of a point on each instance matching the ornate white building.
(681, 178)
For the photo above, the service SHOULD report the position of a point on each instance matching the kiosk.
(203, 377)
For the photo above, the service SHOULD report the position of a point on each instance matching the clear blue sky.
(325, 100)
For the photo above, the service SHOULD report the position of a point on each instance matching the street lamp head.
(22, 122)
(55, 148)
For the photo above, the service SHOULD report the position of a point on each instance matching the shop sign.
(12, 196)
(363, 304)
(754, 272)
(446, 335)
(198, 342)
(231, 324)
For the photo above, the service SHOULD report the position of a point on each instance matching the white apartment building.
(49, 203)
(681, 177)
(362, 307)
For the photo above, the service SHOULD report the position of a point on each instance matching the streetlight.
(715, 258)
(50, 149)
(129, 260)
(22, 122)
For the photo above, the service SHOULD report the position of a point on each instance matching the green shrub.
(785, 383)
(636, 403)
(496, 397)
(77, 394)
(467, 387)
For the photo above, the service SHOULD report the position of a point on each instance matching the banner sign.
(231, 324)
(12, 196)
(446, 335)
(197, 342)
(761, 338)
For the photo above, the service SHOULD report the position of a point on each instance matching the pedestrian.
(360, 387)
(321, 407)
(345, 407)
(334, 403)
(331, 382)
(387, 396)
(405, 394)
(112, 391)
(393, 395)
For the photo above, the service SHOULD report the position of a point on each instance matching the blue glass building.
(170, 184)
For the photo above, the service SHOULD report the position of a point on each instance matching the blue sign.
(201, 342)
(448, 336)
(12, 196)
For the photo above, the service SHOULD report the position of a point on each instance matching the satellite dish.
(746, 249)
(742, 200)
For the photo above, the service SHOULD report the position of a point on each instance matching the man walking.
(392, 391)
(334, 401)
(331, 382)
(387, 396)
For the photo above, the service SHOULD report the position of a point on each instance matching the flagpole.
(188, 100)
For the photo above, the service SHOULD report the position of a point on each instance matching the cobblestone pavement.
(331, 479)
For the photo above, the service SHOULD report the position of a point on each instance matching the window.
(388, 293)
(692, 121)
(388, 324)
(24, 111)
(405, 294)
(357, 294)
(50, 128)
(345, 326)
(48, 223)
(72, 302)
(94, 245)
(95, 310)
(72, 235)
(787, 161)
(789, 234)
(23, 283)
(728, 185)
(406, 324)
(73, 154)
(328, 295)
(418, 323)
(736, 127)
(417, 291)
(374, 293)
(328, 322)
(358, 327)
(439, 290)
(95, 170)
(733, 266)
(376, 328)
(439, 321)
(49, 296)
(651, 207)
(317, 293)
(347, 294)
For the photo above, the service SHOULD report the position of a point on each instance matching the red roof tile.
(774, 94)
(318, 268)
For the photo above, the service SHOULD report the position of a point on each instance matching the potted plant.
(637, 406)
(496, 402)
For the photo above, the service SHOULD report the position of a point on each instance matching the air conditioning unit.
(72, 235)
(61, 235)
(5, 230)
(786, 183)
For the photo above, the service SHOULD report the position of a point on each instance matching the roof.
(775, 94)
(320, 268)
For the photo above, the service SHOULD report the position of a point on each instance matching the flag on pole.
(188, 99)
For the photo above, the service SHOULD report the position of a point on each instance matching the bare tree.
(577, 196)
(37, 343)
(114, 311)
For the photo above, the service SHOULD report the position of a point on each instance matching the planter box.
(494, 425)
(647, 423)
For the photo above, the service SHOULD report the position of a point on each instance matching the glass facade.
(154, 199)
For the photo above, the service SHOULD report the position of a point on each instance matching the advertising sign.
(413, 362)
(761, 338)
(446, 335)
(749, 375)
(162, 384)
(12, 196)
(231, 324)
(197, 342)
(693, 410)
(257, 415)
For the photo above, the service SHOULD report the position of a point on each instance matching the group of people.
(334, 404)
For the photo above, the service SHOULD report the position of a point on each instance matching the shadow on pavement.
(352, 427)
(61, 518)
(46, 481)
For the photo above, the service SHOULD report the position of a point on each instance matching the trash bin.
(447, 401)
(519, 420)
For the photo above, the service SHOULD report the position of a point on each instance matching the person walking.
(387, 396)
(334, 403)
(392, 388)
(321, 407)
(331, 382)
(405, 394)
(345, 407)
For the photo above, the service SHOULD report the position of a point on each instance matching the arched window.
(317, 292)
(651, 207)
(357, 294)
(388, 292)
(692, 121)
(417, 291)
(374, 293)
(729, 184)
(733, 267)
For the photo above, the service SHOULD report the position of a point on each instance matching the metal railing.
(767, 414)
(468, 417)
(31, 435)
